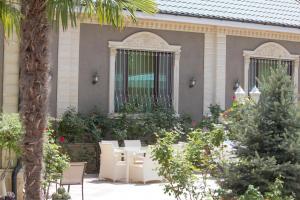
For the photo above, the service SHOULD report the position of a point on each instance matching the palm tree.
(34, 21)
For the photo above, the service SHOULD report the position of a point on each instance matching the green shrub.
(275, 192)
(95, 127)
(252, 193)
(186, 173)
(11, 132)
(208, 122)
(61, 194)
(55, 162)
(72, 127)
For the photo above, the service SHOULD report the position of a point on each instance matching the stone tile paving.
(104, 190)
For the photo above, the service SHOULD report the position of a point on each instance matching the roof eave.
(221, 22)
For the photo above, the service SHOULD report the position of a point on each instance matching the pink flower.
(62, 139)
(233, 97)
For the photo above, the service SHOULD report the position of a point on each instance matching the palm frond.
(63, 12)
(114, 12)
(10, 16)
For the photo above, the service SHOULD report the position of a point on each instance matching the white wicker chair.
(133, 144)
(145, 171)
(111, 167)
(115, 143)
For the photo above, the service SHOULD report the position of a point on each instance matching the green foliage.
(11, 132)
(61, 194)
(145, 126)
(10, 17)
(94, 127)
(55, 163)
(208, 122)
(186, 171)
(252, 193)
(66, 12)
(267, 138)
(215, 111)
(72, 127)
(275, 192)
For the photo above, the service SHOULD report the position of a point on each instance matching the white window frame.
(145, 41)
(270, 50)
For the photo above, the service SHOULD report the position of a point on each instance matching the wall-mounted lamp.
(95, 78)
(192, 82)
(236, 85)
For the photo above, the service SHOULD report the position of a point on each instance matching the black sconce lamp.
(192, 82)
(95, 78)
(236, 85)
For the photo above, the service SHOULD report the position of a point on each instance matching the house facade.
(188, 56)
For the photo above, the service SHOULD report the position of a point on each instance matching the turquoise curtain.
(143, 78)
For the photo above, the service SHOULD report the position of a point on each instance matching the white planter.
(4, 159)
(3, 192)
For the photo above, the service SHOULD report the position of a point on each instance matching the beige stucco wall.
(53, 61)
(9, 72)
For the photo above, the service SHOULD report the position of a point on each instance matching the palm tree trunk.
(34, 72)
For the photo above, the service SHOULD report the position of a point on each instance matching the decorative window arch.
(270, 51)
(143, 42)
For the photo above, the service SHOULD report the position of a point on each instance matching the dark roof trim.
(228, 19)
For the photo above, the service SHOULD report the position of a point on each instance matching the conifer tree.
(267, 138)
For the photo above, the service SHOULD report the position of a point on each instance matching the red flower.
(62, 139)
(233, 97)
(194, 123)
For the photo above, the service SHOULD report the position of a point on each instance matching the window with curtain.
(260, 67)
(143, 79)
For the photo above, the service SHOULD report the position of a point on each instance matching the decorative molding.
(209, 71)
(220, 78)
(112, 73)
(68, 69)
(204, 28)
(240, 29)
(270, 50)
(143, 41)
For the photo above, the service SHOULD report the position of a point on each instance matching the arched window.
(258, 63)
(144, 71)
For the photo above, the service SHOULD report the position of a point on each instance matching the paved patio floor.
(104, 190)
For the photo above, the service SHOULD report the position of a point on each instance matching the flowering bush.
(55, 162)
